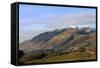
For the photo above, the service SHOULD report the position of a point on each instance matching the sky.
(36, 19)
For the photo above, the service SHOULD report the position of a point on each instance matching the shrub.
(81, 49)
(38, 55)
(21, 53)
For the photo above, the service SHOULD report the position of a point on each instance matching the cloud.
(30, 28)
(67, 20)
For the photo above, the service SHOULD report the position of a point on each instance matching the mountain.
(36, 42)
(68, 42)
(57, 38)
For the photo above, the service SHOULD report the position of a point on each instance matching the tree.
(21, 53)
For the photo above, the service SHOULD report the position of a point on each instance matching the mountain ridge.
(51, 39)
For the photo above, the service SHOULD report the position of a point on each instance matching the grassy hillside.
(63, 45)
(71, 56)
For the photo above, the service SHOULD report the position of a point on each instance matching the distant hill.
(68, 43)
(56, 38)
